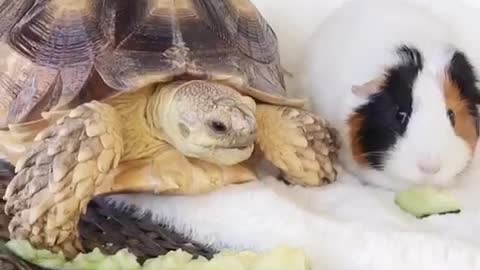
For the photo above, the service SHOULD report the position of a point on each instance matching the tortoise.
(168, 97)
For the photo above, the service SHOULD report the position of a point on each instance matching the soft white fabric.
(344, 226)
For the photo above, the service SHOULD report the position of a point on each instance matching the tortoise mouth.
(235, 146)
(225, 155)
(232, 147)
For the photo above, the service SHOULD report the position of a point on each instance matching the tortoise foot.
(299, 143)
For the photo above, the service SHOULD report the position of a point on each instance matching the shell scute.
(61, 53)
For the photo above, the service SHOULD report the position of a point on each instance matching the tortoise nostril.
(184, 130)
(250, 132)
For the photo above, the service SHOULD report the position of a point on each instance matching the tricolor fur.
(401, 92)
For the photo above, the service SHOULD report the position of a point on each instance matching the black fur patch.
(462, 73)
(387, 113)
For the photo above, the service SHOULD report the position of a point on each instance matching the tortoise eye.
(218, 126)
(451, 116)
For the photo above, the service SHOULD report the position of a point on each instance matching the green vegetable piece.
(425, 201)
(50, 263)
(23, 249)
(173, 260)
(122, 260)
(41, 257)
(282, 258)
(88, 261)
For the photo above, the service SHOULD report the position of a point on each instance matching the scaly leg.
(298, 143)
(170, 172)
(59, 174)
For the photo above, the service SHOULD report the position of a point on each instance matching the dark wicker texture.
(112, 229)
(107, 228)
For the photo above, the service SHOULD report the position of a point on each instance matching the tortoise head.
(206, 120)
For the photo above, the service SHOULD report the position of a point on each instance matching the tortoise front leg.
(59, 174)
(170, 172)
(298, 143)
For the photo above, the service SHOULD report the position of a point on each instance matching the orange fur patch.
(464, 121)
(355, 123)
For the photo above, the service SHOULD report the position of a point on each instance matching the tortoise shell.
(57, 54)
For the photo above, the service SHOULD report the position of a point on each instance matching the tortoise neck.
(157, 110)
(139, 139)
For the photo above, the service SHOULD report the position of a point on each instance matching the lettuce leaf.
(281, 258)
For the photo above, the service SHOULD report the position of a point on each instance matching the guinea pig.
(402, 94)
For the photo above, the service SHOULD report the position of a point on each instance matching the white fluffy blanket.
(344, 226)
(341, 227)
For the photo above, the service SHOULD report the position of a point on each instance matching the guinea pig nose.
(429, 166)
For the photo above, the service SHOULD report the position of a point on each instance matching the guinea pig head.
(419, 124)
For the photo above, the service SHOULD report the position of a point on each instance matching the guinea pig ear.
(369, 88)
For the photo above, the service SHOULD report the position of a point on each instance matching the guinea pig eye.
(451, 117)
(401, 116)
